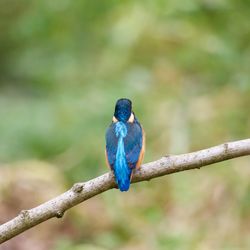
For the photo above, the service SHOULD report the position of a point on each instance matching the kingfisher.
(125, 144)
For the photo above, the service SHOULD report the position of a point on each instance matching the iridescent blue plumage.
(121, 169)
(124, 143)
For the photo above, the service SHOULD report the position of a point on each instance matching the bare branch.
(83, 191)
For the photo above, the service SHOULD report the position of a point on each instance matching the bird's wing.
(111, 145)
(133, 143)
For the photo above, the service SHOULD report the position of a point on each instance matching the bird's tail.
(121, 169)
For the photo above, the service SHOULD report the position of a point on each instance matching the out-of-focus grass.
(185, 66)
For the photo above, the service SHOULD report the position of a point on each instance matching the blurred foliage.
(184, 64)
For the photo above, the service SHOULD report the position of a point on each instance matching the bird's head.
(123, 111)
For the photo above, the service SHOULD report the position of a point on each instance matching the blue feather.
(123, 148)
(121, 169)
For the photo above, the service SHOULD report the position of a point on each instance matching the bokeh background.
(185, 66)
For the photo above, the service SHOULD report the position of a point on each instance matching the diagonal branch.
(83, 191)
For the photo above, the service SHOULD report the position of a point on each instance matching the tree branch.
(83, 191)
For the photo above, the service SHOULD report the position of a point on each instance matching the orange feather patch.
(141, 156)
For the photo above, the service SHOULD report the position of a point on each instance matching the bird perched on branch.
(125, 144)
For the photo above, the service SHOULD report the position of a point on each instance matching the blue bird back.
(123, 147)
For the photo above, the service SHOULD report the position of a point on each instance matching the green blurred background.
(185, 66)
